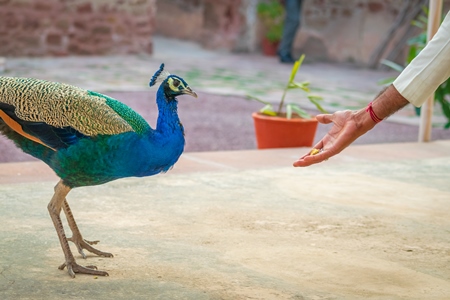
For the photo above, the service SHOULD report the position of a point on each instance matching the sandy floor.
(223, 226)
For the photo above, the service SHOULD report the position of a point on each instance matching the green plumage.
(135, 120)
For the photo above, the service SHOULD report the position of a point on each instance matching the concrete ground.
(371, 223)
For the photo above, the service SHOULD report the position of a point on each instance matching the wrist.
(363, 121)
(388, 102)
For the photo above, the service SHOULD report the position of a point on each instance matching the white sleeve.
(429, 69)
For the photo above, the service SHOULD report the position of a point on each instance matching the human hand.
(350, 125)
(347, 127)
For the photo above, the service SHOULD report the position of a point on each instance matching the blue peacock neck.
(168, 120)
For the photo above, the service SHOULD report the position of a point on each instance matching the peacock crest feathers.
(159, 76)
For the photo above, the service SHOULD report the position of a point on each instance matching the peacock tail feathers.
(27, 145)
(61, 105)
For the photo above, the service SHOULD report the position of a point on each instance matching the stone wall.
(347, 31)
(181, 19)
(63, 27)
(331, 30)
(216, 24)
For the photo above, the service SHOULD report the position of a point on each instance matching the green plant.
(416, 44)
(291, 108)
(271, 14)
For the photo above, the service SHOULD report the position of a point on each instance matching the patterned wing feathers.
(61, 105)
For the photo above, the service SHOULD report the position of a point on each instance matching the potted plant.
(293, 127)
(271, 15)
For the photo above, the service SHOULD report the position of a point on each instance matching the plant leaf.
(289, 111)
(392, 65)
(423, 19)
(297, 85)
(303, 114)
(418, 24)
(445, 108)
(294, 71)
(268, 110)
(413, 51)
(296, 66)
(446, 87)
(257, 99)
(315, 100)
(419, 41)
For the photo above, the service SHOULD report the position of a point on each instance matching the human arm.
(349, 125)
(414, 85)
(429, 69)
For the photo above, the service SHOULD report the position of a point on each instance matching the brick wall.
(63, 27)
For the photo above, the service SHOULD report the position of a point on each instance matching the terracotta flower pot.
(279, 132)
(269, 48)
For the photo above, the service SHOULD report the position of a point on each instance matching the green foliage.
(441, 97)
(291, 108)
(416, 44)
(271, 14)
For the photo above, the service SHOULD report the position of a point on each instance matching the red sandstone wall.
(222, 23)
(215, 24)
(63, 27)
(332, 30)
(346, 31)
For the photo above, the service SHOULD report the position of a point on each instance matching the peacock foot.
(84, 244)
(73, 267)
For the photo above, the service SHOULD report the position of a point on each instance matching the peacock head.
(172, 85)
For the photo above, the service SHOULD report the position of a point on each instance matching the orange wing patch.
(18, 128)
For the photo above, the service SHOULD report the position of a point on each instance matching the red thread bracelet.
(373, 115)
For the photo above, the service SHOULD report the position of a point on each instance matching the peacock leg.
(77, 239)
(54, 208)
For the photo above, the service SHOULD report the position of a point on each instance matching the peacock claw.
(84, 244)
(73, 268)
(92, 242)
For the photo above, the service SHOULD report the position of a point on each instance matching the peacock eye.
(176, 83)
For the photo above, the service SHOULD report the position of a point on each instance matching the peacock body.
(88, 138)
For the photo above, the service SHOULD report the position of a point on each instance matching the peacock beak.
(189, 91)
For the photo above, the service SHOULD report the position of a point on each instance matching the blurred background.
(360, 32)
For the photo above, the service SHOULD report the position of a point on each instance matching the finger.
(309, 159)
(319, 145)
(325, 118)
(312, 159)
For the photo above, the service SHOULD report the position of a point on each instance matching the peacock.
(88, 138)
